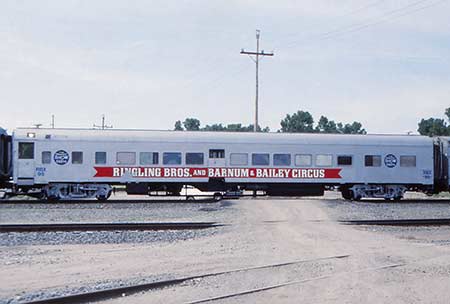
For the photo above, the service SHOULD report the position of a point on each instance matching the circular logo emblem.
(61, 157)
(390, 160)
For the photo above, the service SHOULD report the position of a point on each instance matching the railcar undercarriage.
(357, 192)
(76, 191)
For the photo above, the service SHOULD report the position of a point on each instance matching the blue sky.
(146, 64)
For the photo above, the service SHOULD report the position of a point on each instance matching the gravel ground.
(258, 235)
(101, 237)
(98, 212)
(117, 212)
(98, 285)
(348, 210)
(380, 210)
(20, 248)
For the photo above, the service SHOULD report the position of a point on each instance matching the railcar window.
(303, 160)
(215, 153)
(194, 158)
(46, 157)
(100, 158)
(260, 159)
(344, 160)
(77, 157)
(148, 158)
(372, 160)
(172, 158)
(239, 159)
(324, 160)
(126, 158)
(282, 159)
(26, 150)
(407, 161)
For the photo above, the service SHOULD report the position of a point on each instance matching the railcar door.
(25, 163)
(216, 158)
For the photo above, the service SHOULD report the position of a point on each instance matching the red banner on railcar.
(160, 172)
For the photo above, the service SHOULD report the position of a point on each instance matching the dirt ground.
(380, 267)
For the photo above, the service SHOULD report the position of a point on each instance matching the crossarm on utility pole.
(255, 53)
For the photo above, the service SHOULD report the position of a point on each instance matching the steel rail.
(132, 289)
(110, 201)
(106, 226)
(285, 284)
(400, 222)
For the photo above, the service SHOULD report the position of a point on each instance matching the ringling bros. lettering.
(165, 172)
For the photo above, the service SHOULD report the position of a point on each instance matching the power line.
(257, 54)
(347, 14)
(390, 15)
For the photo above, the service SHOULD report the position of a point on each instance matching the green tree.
(236, 128)
(214, 127)
(326, 126)
(353, 128)
(433, 127)
(249, 128)
(191, 124)
(298, 122)
(447, 112)
(178, 126)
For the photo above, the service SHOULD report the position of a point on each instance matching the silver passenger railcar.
(75, 163)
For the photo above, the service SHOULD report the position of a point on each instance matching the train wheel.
(218, 196)
(355, 197)
(102, 198)
(53, 198)
(346, 194)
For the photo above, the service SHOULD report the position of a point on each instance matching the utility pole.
(53, 121)
(103, 126)
(257, 54)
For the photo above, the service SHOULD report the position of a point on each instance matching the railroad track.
(194, 225)
(129, 290)
(288, 283)
(406, 201)
(106, 226)
(207, 199)
(400, 222)
(110, 201)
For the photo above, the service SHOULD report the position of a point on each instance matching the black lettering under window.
(26, 150)
(344, 160)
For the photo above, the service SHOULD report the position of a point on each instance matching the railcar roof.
(217, 137)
